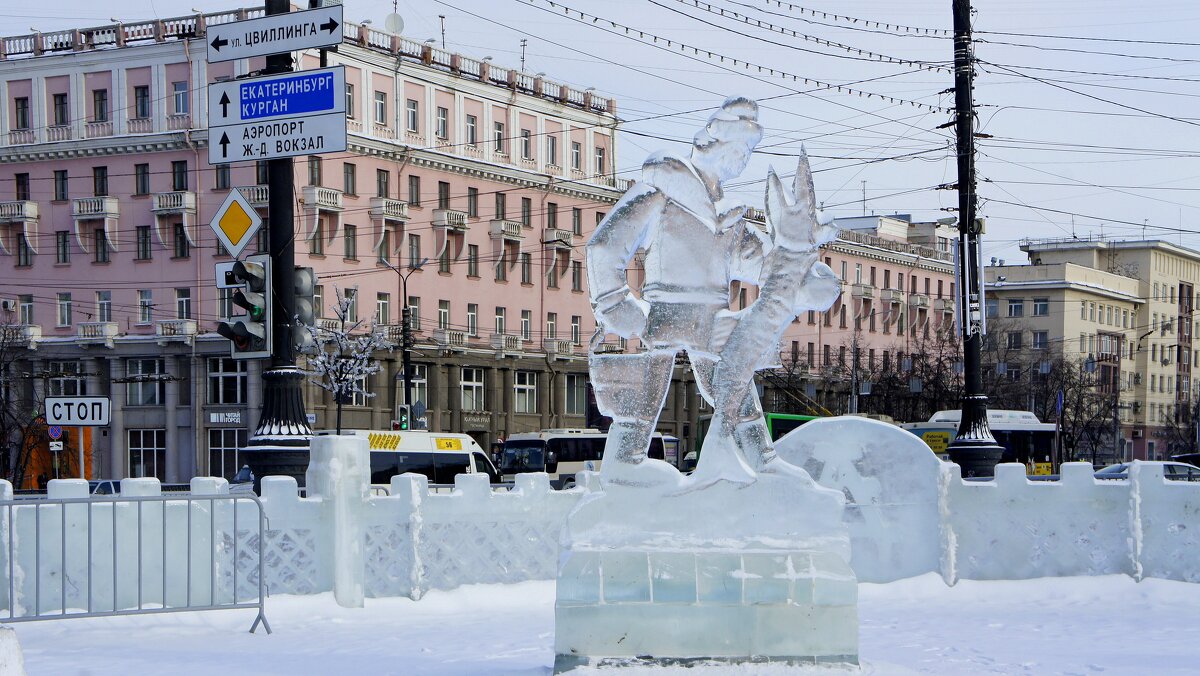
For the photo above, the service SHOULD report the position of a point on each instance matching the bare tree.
(340, 358)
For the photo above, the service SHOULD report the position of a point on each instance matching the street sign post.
(82, 411)
(235, 223)
(283, 115)
(273, 34)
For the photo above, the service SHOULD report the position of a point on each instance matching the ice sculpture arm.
(794, 222)
(612, 246)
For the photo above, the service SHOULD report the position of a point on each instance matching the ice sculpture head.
(724, 146)
(792, 215)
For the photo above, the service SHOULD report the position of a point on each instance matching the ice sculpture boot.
(643, 473)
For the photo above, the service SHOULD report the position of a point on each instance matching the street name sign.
(235, 223)
(77, 410)
(282, 115)
(276, 34)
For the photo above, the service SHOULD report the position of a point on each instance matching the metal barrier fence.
(132, 555)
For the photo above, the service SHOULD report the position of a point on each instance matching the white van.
(437, 455)
(562, 453)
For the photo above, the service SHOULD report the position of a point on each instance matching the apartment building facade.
(486, 178)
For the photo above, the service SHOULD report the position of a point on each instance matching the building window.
(498, 136)
(223, 177)
(21, 184)
(473, 202)
(143, 243)
(443, 321)
(501, 206)
(526, 268)
(472, 134)
(61, 116)
(576, 322)
(526, 145)
(991, 308)
(577, 220)
(419, 383)
(183, 303)
(141, 178)
(104, 306)
(414, 251)
(576, 276)
(472, 319)
(472, 389)
(348, 179)
(226, 381)
(381, 108)
(141, 102)
(500, 320)
(148, 454)
(552, 149)
(414, 190)
(24, 252)
(385, 245)
(601, 167)
(1013, 341)
(100, 181)
(525, 391)
(223, 445)
(383, 183)
(145, 306)
(502, 265)
(443, 195)
(443, 123)
(351, 296)
(1041, 307)
(182, 247)
(414, 313)
(526, 324)
(21, 112)
(146, 383)
(576, 394)
(60, 185)
(100, 250)
(350, 237)
(179, 94)
(526, 211)
(1041, 340)
(444, 261)
(67, 379)
(261, 173)
(100, 105)
(552, 325)
(576, 156)
(314, 170)
(551, 215)
(350, 101)
(179, 175)
(318, 301)
(25, 306)
(472, 260)
(412, 117)
(383, 308)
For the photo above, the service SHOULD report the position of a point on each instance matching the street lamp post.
(406, 325)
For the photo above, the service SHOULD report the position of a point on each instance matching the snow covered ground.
(1109, 625)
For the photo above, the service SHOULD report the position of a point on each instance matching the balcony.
(863, 291)
(919, 301)
(323, 199)
(140, 125)
(558, 238)
(943, 305)
(257, 195)
(95, 208)
(389, 209)
(179, 122)
(894, 296)
(504, 343)
(62, 133)
(448, 339)
(609, 348)
(561, 349)
(175, 329)
(22, 137)
(330, 325)
(17, 334)
(87, 333)
(174, 203)
(450, 219)
(506, 230)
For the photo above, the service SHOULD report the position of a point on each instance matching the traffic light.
(251, 333)
(403, 418)
(305, 281)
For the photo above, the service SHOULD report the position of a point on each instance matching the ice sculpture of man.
(695, 243)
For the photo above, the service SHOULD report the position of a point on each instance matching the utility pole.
(281, 438)
(406, 337)
(974, 448)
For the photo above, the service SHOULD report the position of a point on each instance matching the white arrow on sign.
(309, 92)
(291, 137)
(276, 34)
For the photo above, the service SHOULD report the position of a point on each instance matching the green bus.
(779, 424)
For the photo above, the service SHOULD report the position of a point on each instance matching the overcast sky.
(1089, 136)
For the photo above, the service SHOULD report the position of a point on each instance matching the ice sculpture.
(748, 557)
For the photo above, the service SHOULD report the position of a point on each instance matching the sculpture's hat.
(736, 120)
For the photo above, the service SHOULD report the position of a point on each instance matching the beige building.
(1155, 281)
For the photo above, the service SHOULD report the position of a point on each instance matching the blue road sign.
(55, 432)
(285, 95)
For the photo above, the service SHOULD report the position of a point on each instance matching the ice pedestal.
(726, 573)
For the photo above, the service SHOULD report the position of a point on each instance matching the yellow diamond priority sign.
(236, 222)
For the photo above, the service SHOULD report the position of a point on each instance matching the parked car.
(105, 487)
(1175, 471)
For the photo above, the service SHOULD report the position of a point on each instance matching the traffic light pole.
(283, 424)
(974, 448)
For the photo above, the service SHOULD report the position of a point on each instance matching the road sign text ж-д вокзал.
(282, 115)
